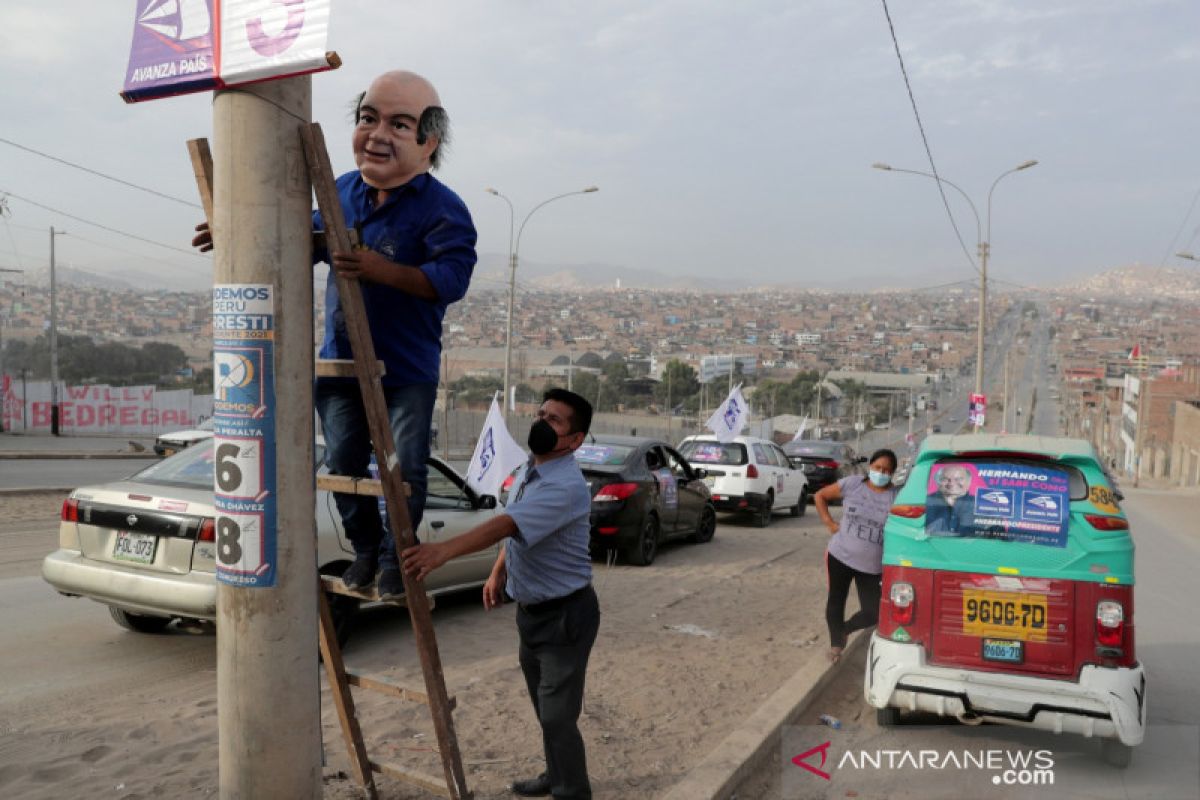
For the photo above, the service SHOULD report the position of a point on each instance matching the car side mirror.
(700, 473)
(487, 501)
(860, 460)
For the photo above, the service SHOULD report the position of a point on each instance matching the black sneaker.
(361, 574)
(391, 584)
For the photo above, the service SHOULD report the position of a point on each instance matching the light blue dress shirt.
(548, 556)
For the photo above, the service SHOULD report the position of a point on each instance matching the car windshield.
(610, 455)
(700, 452)
(192, 467)
(813, 450)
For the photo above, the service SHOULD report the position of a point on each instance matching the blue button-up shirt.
(548, 556)
(422, 224)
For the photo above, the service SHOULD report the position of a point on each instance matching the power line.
(1182, 225)
(100, 174)
(925, 140)
(98, 225)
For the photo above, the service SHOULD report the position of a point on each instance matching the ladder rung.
(435, 785)
(392, 690)
(334, 585)
(348, 484)
(342, 368)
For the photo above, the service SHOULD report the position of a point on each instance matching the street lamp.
(514, 245)
(983, 248)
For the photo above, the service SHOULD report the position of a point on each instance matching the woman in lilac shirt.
(855, 552)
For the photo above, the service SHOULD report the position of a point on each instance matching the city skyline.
(728, 145)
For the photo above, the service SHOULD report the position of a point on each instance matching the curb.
(729, 764)
(20, 490)
(29, 454)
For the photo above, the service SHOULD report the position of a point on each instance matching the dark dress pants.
(556, 640)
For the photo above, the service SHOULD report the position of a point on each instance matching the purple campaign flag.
(173, 49)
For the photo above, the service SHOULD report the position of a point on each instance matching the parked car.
(145, 546)
(823, 462)
(170, 443)
(1014, 603)
(643, 494)
(748, 475)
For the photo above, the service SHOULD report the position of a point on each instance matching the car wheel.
(763, 516)
(642, 552)
(887, 717)
(1115, 752)
(802, 504)
(343, 609)
(140, 623)
(707, 527)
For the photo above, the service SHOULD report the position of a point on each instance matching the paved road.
(1168, 643)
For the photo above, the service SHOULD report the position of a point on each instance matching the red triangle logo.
(800, 761)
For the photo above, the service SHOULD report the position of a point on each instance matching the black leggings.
(868, 586)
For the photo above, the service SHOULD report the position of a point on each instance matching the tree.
(677, 385)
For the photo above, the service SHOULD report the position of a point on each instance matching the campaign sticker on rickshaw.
(995, 500)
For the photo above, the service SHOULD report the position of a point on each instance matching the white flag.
(728, 420)
(512, 398)
(496, 454)
(800, 431)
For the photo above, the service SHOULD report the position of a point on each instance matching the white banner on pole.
(800, 431)
(496, 454)
(728, 420)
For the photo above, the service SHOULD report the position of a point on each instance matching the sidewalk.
(19, 444)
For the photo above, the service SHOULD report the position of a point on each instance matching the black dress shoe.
(533, 787)
(361, 574)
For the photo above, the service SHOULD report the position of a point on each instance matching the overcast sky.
(728, 139)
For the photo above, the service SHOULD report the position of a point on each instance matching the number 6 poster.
(244, 432)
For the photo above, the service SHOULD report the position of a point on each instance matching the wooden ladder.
(390, 486)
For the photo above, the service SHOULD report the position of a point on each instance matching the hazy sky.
(728, 139)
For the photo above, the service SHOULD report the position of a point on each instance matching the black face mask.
(542, 438)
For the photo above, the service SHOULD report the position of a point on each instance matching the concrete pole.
(54, 407)
(982, 324)
(512, 292)
(268, 688)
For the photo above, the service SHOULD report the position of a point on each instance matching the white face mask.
(878, 478)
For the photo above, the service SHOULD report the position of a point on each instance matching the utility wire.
(100, 174)
(98, 225)
(925, 140)
(1183, 224)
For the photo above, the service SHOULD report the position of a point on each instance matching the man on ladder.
(415, 256)
(417, 252)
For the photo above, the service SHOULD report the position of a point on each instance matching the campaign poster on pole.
(998, 500)
(183, 46)
(977, 409)
(244, 433)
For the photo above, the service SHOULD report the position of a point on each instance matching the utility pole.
(54, 409)
(984, 248)
(1137, 431)
(1004, 419)
(268, 685)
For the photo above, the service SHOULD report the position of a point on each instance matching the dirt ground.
(687, 649)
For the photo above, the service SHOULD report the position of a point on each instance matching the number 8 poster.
(244, 432)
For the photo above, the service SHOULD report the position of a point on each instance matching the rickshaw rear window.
(1078, 483)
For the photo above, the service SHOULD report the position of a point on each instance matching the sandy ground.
(687, 648)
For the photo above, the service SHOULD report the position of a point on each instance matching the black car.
(823, 462)
(643, 493)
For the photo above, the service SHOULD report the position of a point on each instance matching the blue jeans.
(348, 452)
